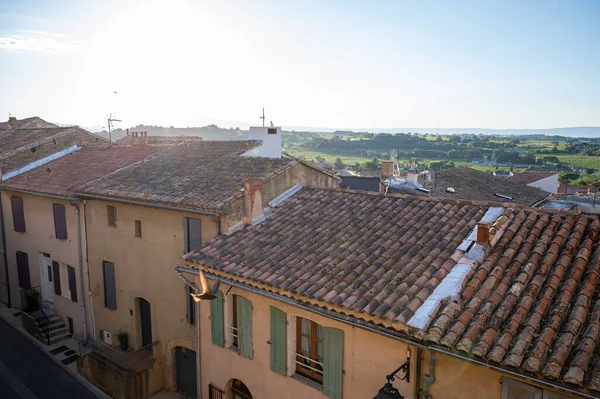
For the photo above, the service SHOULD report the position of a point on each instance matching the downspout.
(416, 392)
(87, 257)
(81, 285)
(197, 334)
(430, 378)
(4, 252)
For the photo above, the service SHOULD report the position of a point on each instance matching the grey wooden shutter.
(72, 283)
(278, 341)
(333, 357)
(244, 318)
(190, 305)
(23, 269)
(110, 292)
(216, 320)
(18, 214)
(56, 277)
(60, 222)
(193, 234)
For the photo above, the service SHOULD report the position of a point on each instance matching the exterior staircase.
(50, 327)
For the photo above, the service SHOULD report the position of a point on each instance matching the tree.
(567, 177)
(339, 164)
(439, 165)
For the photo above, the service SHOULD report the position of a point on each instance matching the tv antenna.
(110, 121)
(263, 117)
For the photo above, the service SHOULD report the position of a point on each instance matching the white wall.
(548, 184)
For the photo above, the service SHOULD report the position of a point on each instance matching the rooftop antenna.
(263, 117)
(110, 121)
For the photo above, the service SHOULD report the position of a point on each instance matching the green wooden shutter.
(278, 341)
(333, 356)
(244, 317)
(216, 320)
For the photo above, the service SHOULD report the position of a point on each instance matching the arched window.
(240, 390)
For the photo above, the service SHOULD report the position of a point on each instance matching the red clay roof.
(529, 177)
(531, 303)
(75, 169)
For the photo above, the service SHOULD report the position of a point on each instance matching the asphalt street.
(28, 372)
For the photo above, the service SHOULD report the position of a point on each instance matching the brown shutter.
(56, 277)
(60, 222)
(18, 214)
(23, 269)
(72, 283)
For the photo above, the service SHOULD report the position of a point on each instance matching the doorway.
(240, 390)
(47, 279)
(146, 323)
(185, 363)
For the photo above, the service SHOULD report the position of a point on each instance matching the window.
(309, 349)
(234, 322)
(56, 278)
(138, 228)
(214, 392)
(23, 269)
(60, 222)
(71, 328)
(110, 292)
(512, 389)
(192, 229)
(239, 327)
(18, 214)
(271, 131)
(111, 215)
(71, 283)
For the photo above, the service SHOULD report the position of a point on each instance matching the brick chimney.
(253, 201)
(483, 233)
(138, 139)
(12, 122)
(387, 169)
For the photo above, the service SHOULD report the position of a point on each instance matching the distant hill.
(210, 132)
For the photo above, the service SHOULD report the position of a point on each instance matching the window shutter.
(195, 233)
(23, 269)
(110, 292)
(278, 341)
(190, 305)
(72, 283)
(56, 277)
(60, 222)
(186, 236)
(216, 320)
(244, 317)
(333, 355)
(18, 214)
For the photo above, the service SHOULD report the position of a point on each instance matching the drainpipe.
(418, 373)
(430, 378)
(81, 284)
(197, 307)
(87, 257)
(4, 252)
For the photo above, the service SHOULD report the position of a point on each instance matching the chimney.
(253, 201)
(387, 169)
(139, 139)
(483, 233)
(12, 122)
(412, 175)
(271, 142)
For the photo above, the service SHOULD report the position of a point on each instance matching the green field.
(580, 160)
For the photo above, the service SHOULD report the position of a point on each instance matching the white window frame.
(64, 280)
(228, 321)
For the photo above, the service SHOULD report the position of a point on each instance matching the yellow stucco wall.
(368, 357)
(40, 237)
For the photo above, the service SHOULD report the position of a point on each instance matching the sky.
(335, 64)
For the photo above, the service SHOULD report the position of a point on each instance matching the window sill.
(307, 381)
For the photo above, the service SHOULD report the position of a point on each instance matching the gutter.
(385, 332)
(540, 202)
(151, 205)
(80, 253)
(53, 196)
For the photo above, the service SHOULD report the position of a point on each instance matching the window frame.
(18, 215)
(311, 371)
(138, 228)
(111, 210)
(64, 280)
(233, 329)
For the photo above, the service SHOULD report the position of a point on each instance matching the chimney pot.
(483, 233)
(12, 122)
(387, 169)
(253, 201)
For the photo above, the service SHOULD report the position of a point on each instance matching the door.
(185, 363)
(146, 322)
(47, 284)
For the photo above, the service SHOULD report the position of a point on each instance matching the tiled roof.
(34, 122)
(75, 169)
(16, 139)
(573, 189)
(359, 253)
(203, 176)
(474, 185)
(529, 177)
(533, 304)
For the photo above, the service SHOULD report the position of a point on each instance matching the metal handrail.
(26, 292)
(46, 331)
(125, 360)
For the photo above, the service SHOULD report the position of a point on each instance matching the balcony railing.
(135, 360)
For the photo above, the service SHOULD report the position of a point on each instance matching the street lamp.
(388, 391)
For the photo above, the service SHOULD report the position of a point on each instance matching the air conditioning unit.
(106, 337)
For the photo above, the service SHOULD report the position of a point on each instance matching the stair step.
(61, 337)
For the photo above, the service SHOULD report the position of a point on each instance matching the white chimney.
(271, 142)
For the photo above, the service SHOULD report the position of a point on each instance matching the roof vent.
(451, 190)
(508, 197)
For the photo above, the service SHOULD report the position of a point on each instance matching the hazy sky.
(500, 64)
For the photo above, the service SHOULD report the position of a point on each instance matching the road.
(27, 372)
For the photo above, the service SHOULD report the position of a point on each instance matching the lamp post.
(388, 391)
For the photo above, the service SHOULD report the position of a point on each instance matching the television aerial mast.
(110, 121)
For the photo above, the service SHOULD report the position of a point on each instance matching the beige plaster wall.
(368, 357)
(40, 237)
